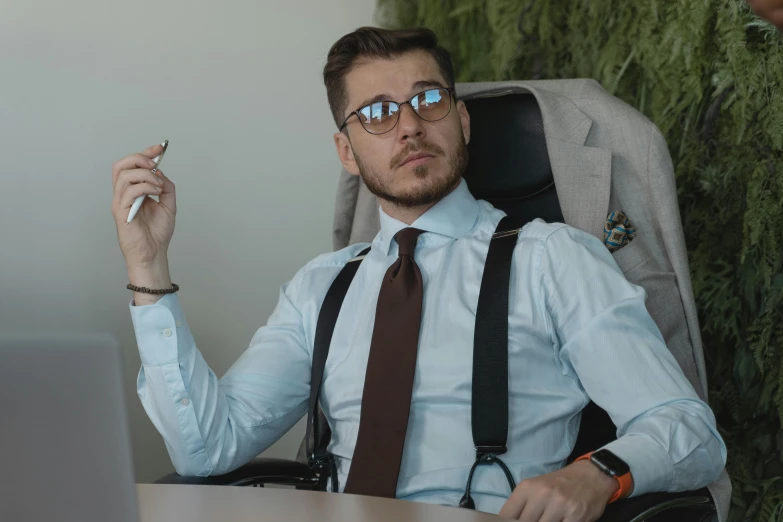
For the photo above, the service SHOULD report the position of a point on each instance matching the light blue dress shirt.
(577, 330)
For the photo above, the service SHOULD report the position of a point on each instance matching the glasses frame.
(452, 98)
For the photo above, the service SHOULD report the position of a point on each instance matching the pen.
(139, 200)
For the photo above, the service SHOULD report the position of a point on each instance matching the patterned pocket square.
(618, 230)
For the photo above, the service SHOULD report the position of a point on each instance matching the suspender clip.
(486, 451)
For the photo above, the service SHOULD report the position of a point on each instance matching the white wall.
(236, 88)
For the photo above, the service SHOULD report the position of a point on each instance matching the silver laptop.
(64, 435)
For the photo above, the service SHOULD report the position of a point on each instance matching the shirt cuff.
(161, 331)
(651, 466)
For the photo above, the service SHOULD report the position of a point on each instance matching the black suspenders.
(317, 456)
(489, 408)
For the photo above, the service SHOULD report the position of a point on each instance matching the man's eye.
(382, 110)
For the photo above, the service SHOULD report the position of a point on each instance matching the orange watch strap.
(624, 481)
(625, 487)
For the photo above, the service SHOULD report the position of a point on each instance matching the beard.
(431, 189)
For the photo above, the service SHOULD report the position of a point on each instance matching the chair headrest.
(509, 163)
(508, 155)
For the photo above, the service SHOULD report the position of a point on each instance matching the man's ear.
(345, 153)
(464, 119)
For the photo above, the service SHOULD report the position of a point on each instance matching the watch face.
(610, 463)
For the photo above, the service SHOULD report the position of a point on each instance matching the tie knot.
(406, 239)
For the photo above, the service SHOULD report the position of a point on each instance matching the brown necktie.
(388, 383)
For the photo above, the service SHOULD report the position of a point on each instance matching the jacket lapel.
(582, 174)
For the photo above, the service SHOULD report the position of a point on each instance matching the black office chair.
(505, 130)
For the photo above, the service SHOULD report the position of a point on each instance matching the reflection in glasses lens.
(381, 117)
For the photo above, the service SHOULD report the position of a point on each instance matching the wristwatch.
(613, 466)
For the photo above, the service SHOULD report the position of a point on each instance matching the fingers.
(127, 178)
(133, 161)
(529, 503)
(131, 178)
(543, 512)
(142, 160)
(153, 151)
(557, 516)
(534, 508)
(514, 505)
(134, 191)
(168, 198)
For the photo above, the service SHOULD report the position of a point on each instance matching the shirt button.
(167, 332)
(184, 402)
(179, 323)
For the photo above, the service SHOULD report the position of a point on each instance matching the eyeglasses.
(381, 117)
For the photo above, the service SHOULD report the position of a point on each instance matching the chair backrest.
(507, 137)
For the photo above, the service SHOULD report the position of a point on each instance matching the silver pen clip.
(157, 159)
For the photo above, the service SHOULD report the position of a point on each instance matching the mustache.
(419, 146)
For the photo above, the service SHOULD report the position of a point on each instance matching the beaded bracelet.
(144, 290)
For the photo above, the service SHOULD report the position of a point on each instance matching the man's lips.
(417, 159)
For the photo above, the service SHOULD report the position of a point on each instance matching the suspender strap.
(317, 438)
(489, 407)
(489, 410)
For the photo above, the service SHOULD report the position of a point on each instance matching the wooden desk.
(178, 503)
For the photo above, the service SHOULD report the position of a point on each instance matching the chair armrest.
(257, 472)
(686, 506)
(690, 506)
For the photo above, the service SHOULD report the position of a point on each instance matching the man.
(577, 329)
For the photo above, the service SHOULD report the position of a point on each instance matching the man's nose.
(410, 124)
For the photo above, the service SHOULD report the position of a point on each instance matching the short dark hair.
(374, 42)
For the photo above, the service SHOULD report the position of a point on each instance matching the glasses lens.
(432, 105)
(379, 117)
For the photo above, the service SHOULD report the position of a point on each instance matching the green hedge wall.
(709, 74)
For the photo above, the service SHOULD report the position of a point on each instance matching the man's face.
(381, 159)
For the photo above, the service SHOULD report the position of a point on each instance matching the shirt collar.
(452, 216)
